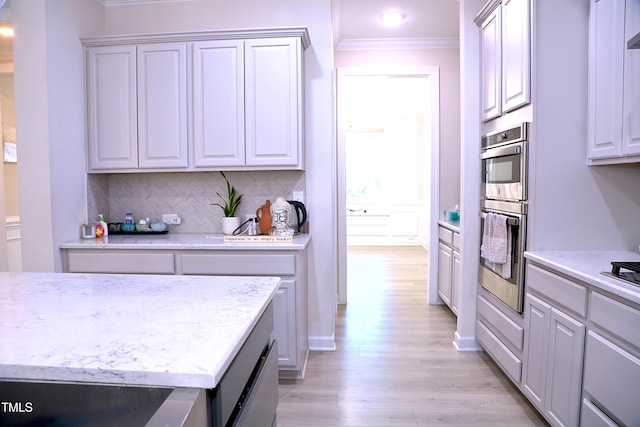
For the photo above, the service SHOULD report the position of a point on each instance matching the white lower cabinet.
(580, 363)
(290, 327)
(553, 361)
(449, 267)
(612, 364)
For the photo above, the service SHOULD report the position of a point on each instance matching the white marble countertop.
(451, 225)
(586, 266)
(179, 241)
(178, 331)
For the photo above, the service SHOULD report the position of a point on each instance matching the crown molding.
(404, 43)
(486, 10)
(108, 3)
(256, 33)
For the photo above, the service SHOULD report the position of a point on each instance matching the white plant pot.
(229, 224)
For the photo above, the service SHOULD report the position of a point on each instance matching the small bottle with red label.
(101, 227)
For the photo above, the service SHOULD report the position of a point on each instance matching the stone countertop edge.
(182, 241)
(136, 330)
(451, 225)
(587, 266)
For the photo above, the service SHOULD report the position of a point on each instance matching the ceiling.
(425, 19)
(357, 20)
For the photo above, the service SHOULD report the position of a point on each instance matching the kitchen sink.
(80, 405)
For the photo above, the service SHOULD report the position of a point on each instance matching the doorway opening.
(387, 159)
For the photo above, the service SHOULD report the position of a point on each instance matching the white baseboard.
(466, 343)
(322, 343)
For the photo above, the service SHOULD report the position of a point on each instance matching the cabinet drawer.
(456, 240)
(445, 235)
(245, 264)
(565, 292)
(591, 416)
(511, 331)
(612, 378)
(509, 362)
(96, 261)
(616, 318)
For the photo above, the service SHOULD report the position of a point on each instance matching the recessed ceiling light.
(392, 18)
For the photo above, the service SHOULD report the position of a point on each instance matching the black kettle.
(298, 215)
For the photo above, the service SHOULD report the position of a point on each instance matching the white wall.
(573, 206)
(319, 132)
(470, 175)
(48, 63)
(448, 60)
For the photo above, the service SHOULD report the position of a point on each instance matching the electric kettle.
(298, 215)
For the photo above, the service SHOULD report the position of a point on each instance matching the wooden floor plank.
(395, 364)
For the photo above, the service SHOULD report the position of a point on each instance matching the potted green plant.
(230, 221)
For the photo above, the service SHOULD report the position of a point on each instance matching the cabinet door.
(445, 257)
(284, 323)
(455, 282)
(162, 105)
(631, 105)
(516, 56)
(491, 71)
(218, 103)
(606, 42)
(564, 374)
(112, 107)
(537, 317)
(273, 84)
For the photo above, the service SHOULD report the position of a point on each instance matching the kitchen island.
(178, 332)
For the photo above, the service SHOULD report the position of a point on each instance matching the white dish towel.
(495, 244)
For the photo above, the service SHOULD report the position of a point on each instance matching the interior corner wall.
(49, 71)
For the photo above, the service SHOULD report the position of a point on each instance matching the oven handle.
(508, 150)
(510, 220)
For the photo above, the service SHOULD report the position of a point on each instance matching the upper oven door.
(504, 172)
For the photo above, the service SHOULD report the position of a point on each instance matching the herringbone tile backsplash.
(188, 194)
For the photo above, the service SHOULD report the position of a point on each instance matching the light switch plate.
(298, 196)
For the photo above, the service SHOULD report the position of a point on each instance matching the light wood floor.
(395, 364)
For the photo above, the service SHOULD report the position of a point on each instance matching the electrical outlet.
(172, 219)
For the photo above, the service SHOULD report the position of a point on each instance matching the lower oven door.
(506, 281)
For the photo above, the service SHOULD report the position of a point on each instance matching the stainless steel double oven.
(504, 192)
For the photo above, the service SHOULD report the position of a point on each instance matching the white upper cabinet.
(218, 103)
(273, 82)
(137, 106)
(505, 56)
(491, 66)
(614, 88)
(162, 105)
(516, 54)
(112, 107)
(225, 100)
(247, 104)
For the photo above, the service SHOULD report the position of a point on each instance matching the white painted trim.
(466, 343)
(398, 43)
(322, 343)
(434, 191)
